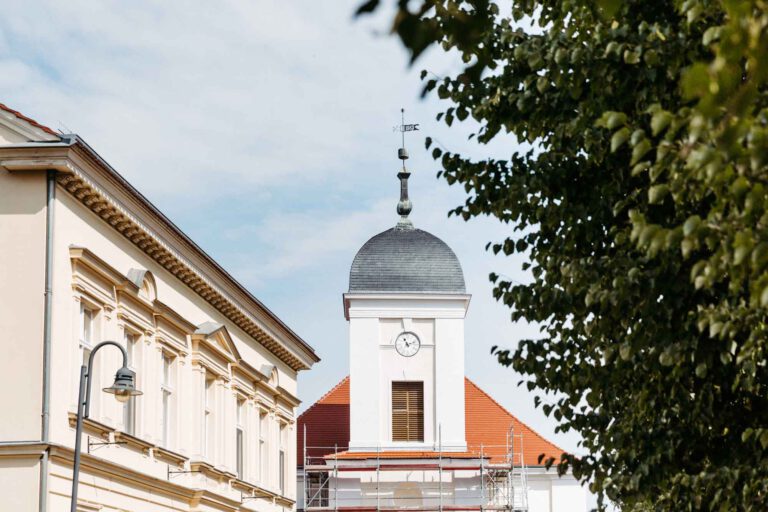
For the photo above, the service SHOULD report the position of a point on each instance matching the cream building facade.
(86, 258)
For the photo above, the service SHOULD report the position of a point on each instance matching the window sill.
(260, 492)
(91, 427)
(167, 455)
(103, 431)
(133, 441)
(252, 490)
(210, 470)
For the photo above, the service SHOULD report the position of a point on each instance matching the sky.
(264, 130)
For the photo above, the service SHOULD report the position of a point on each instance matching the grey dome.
(406, 260)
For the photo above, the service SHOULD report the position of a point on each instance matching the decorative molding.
(73, 156)
(165, 455)
(411, 305)
(91, 426)
(211, 471)
(124, 222)
(138, 443)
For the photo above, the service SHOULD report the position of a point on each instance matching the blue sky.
(264, 130)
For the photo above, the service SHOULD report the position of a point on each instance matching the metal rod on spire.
(404, 206)
(402, 132)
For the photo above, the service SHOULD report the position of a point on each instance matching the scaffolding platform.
(492, 478)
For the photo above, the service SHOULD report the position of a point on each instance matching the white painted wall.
(22, 289)
(374, 323)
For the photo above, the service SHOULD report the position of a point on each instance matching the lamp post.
(123, 388)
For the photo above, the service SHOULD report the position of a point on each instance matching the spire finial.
(404, 206)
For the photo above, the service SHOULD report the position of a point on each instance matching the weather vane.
(402, 154)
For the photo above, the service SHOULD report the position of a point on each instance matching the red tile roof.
(327, 425)
(28, 119)
(487, 426)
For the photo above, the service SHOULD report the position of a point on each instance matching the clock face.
(407, 344)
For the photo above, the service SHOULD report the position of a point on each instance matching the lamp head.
(123, 388)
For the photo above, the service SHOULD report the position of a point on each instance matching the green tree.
(645, 213)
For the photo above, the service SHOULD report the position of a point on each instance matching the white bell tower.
(376, 322)
(406, 307)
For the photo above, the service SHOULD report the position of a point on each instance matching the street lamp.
(123, 388)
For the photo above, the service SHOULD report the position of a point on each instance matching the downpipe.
(45, 416)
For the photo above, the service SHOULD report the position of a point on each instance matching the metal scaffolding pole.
(335, 477)
(440, 462)
(306, 475)
(482, 478)
(378, 476)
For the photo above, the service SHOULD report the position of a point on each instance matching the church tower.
(406, 306)
(407, 430)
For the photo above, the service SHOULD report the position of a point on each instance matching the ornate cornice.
(69, 160)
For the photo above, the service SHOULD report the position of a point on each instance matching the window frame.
(167, 391)
(132, 341)
(281, 457)
(262, 454)
(209, 409)
(413, 396)
(240, 437)
(86, 343)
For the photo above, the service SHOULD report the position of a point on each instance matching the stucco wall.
(22, 287)
(374, 324)
(18, 483)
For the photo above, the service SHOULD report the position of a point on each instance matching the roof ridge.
(481, 390)
(28, 119)
(326, 395)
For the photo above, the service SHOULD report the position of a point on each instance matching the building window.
(281, 459)
(129, 409)
(208, 404)
(262, 443)
(166, 393)
(240, 438)
(87, 332)
(408, 411)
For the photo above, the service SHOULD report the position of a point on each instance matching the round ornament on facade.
(407, 344)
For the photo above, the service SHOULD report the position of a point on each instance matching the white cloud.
(252, 93)
(293, 242)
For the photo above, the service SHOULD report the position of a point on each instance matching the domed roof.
(404, 259)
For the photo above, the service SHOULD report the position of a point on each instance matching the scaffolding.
(484, 477)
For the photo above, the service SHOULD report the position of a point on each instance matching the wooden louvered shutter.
(408, 411)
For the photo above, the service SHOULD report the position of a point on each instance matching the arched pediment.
(269, 371)
(145, 282)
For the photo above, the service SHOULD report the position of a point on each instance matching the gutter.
(45, 428)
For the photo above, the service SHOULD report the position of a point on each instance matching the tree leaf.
(619, 138)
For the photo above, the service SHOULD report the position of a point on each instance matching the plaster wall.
(18, 483)
(22, 290)
(365, 400)
(374, 323)
(568, 496)
(7, 135)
